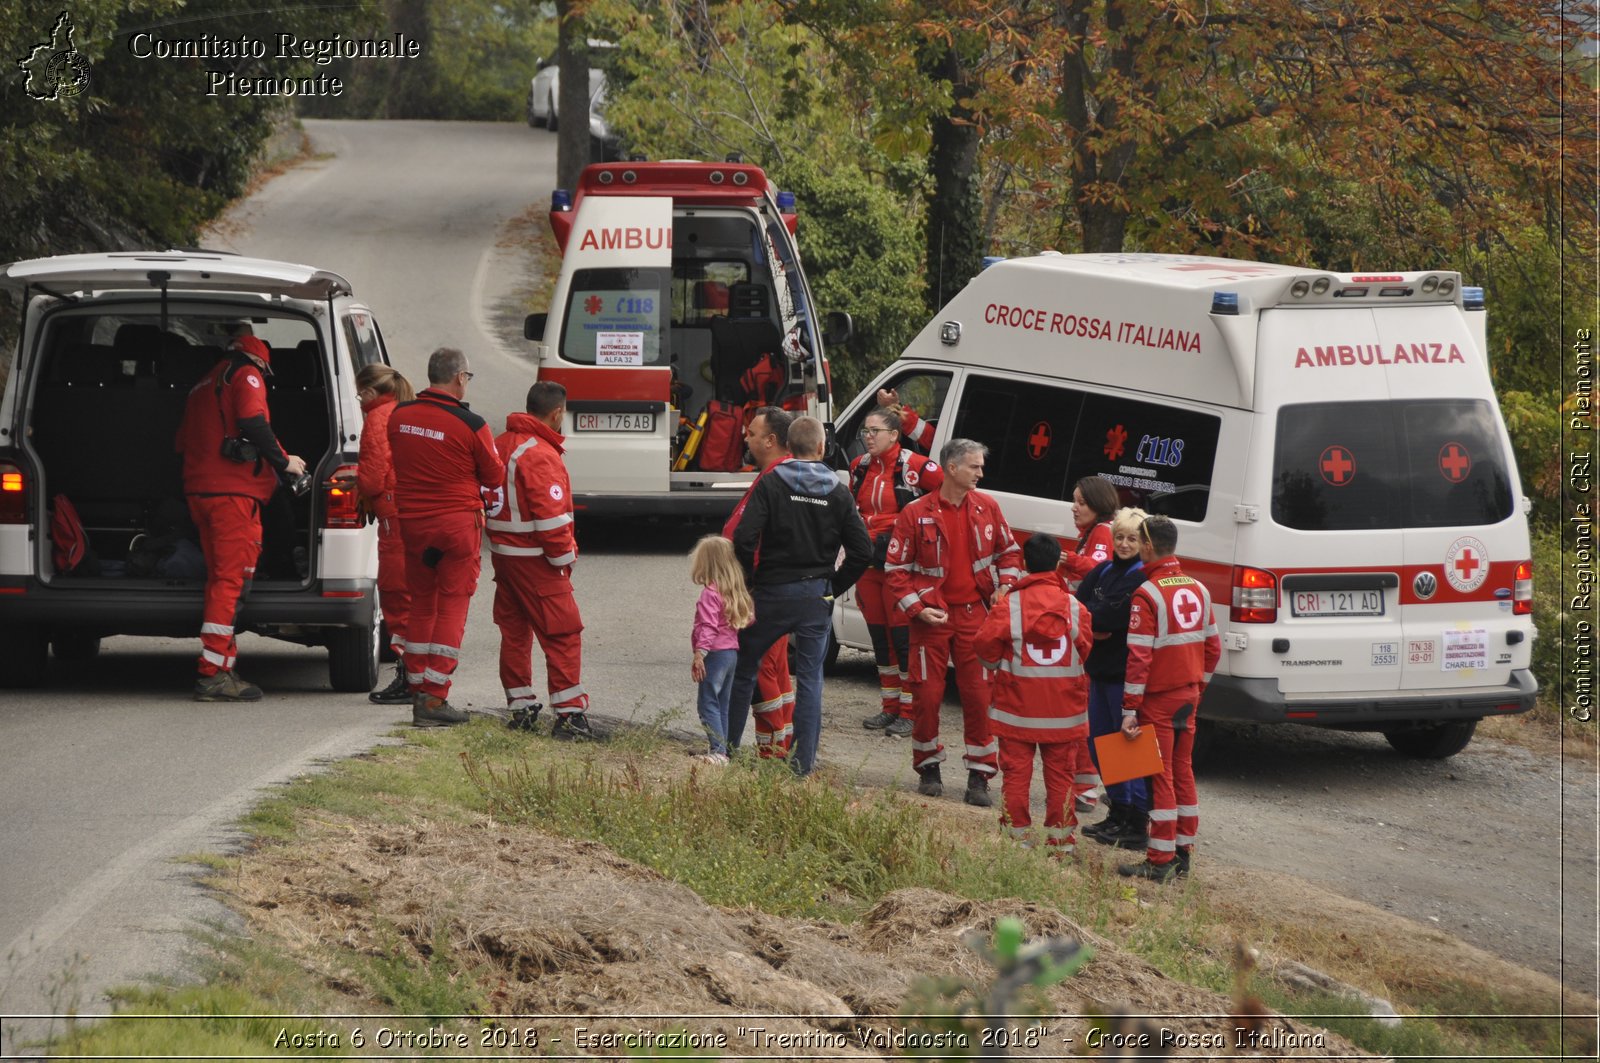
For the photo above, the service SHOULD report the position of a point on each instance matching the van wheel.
(386, 652)
(1434, 741)
(27, 658)
(353, 659)
(75, 647)
(551, 122)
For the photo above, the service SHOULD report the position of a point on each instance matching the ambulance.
(681, 307)
(1329, 445)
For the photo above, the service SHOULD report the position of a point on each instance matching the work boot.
(1133, 835)
(901, 728)
(1154, 872)
(880, 721)
(524, 717)
(1184, 854)
(430, 711)
(930, 784)
(573, 727)
(1116, 822)
(978, 790)
(225, 686)
(398, 692)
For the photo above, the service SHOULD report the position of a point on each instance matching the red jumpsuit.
(773, 709)
(1093, 550)
(442, 452)
(533, 545)
(225, 497)
(882, 486)
(375, 477)
(1173, 648)
(952, 558)
(1036, 641)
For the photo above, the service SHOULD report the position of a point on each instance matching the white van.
(1329, 445)
(111, 345)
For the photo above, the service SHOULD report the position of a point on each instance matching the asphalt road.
(109, 773)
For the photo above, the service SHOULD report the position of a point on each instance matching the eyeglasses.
(466, 374)
(868, 433)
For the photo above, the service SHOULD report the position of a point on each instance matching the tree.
(572, 144)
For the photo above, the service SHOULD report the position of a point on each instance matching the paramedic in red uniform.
(380, 387)
(1035, 641)
(950, 554)
(1094, 501)
(883, 481)
(1173, 648)
(533, 545)
(767, 438)
(229, 408)
(443, 453)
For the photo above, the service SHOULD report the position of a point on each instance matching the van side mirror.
(832, 453)
(533, 326)
(837, 328)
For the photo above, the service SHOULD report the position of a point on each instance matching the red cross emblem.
(1039, 441)
(1454, 462)
(592, 304)
(1338, 466)
(1466, 564)
(1186, 608)
(1114, 442)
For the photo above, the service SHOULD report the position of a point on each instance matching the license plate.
(615, 422)
(1336, 603)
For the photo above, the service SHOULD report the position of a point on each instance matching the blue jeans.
(712, 700)
(1105, 716)
(804, 611)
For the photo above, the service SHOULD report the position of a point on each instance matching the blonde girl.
(723, 609)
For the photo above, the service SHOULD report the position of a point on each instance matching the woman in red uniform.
(1094, 501)
(883, 481)
(380, 389)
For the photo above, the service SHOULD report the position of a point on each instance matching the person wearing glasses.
(884, 480)
(443, 453)
(1173, 648)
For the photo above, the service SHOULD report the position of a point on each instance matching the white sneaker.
(717, 759)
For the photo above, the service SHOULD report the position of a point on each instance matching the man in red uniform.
(231, 462)
(443, 453)
(767, 438)
(1035, 641)
(950, 553)
(1173, 648)
(533, 546)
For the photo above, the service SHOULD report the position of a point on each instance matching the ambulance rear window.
(617, 317)
(1359, 466)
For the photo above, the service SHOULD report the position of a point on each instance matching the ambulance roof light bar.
(1471, 297)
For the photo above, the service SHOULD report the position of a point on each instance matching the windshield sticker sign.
(1337, 465)
(1465, 649)
(1454, 462)
(619, 348)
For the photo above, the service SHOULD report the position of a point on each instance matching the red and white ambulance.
(681, 306)
(1329, 445)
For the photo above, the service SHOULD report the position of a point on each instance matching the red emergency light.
(1389, 279)
(685, 182)
(13, 495)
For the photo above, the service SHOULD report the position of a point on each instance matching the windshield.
(616, 317)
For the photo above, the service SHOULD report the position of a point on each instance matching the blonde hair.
(713, 562)
(1127, 520)
(385, 380)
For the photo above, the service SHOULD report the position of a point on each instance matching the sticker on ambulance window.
(1337, 465)
(619, 348)
(1039, 440)
(1454, 462)
(1465, 649)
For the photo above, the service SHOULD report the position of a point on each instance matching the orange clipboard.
(1122, 758)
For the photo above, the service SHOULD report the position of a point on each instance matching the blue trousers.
(1105, 716)
(712, 700)
(804, 611)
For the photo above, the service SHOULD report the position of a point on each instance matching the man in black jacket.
(798, 516)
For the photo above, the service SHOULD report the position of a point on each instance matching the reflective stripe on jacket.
(530, 514)
(1036, 641)
(1172, 636)
(919, 549)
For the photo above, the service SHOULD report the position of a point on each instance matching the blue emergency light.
(1225, 303)
(1471, 298)
(786, 202)
(560, 199)
(989, 260)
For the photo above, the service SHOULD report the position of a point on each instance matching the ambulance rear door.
(608, 341)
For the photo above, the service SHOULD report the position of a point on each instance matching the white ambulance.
(1329, 445)
(680, 307)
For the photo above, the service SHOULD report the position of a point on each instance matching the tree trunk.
(411, 93)
(572, 132)
(954, 228)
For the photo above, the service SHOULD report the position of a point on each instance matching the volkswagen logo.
(1425, 584)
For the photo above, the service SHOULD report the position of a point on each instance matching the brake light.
(343, 509)
(1522, 590)
(1255, 596)
(13, 494)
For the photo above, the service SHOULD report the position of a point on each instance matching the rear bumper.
(1260, 701)
(176, 612)
(674, 503)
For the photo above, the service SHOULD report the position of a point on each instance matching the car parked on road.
(544, 99)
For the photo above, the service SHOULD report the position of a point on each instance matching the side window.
(921, 390)
(1161, 458)
(1028, 428)
(361, 336)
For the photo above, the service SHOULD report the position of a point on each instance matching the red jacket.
(1036, 642)
(530, 514)
(1093, 550)
(920, 546)
(375, 473)
(915, 428)
(883, 486)
(1172, 637)
(442, 454)
(209, 416)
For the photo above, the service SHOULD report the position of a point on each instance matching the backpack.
(722, 447)
(69, 542)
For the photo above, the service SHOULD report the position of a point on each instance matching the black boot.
(1112, 824)
(978, 790)
(398, 692)
(1134, 833)
(929, 783)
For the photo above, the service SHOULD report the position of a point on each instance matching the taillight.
(1522, 590)
(13, 494)
(343, 507)
(1255, 596)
